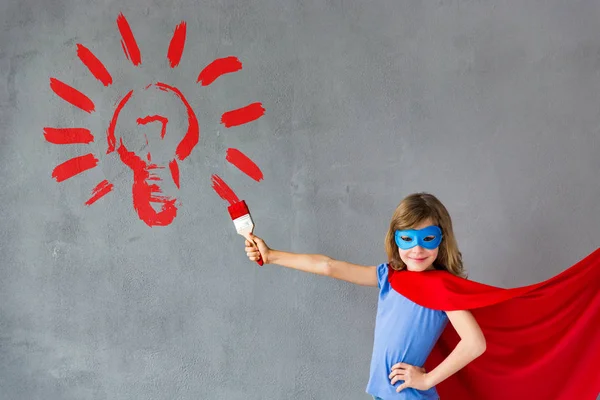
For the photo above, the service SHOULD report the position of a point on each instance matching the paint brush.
(243, 222)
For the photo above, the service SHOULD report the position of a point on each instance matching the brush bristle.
(238, 209)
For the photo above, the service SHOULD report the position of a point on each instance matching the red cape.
(543, 340)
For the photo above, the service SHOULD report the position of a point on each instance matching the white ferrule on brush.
(244, 224)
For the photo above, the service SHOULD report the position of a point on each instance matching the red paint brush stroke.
(94, 65)
(144, 193)
(68, 135)
(72, 95)
(74, 166)
(245, 164)
(184, 148)
(155, 118)
(174, 172)
(176, 45)
(218, 67)
(99, 191)
(242, 115)
(130, 47)
(223, 190)
(110, 132)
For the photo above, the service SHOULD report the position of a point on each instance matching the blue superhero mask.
(428, 238)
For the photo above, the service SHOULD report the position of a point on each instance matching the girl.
(420, 239)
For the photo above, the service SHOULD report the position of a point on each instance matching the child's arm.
(471, 346)
(313, 263)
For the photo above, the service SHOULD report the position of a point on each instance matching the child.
(419, 239)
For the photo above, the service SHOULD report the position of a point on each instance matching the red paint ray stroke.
(174, 167)
(245, 164)
(130, 47)
(218, 67)
(223, 190)
(72, 95)
(94, 65)
(177, 44)
(99, 191)
(74, 166)
(242, 115)
(68, 135)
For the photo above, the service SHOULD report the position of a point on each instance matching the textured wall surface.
(495, 109)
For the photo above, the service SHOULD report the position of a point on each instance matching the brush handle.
(260, 260)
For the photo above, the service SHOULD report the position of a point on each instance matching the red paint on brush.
(218, 67)
(176, 45)
(130, 47)
(174, 172)
(184, 148)
(74, 166)
(223, 190)
(245, 164)
(72, 95)
(155, 118)
(243, 115)
(99, 191)
(238, 209)
(110, 132)
(68, 135)
(94, 65)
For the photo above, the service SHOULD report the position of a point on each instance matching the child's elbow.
(325, 266)
(479, 347)
(475, 346)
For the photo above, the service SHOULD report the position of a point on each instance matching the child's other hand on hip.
(413, 377)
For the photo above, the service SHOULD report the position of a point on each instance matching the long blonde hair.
(410, 212)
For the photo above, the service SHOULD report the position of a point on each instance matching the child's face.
(419, 258)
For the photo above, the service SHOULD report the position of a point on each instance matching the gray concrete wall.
(493, 108)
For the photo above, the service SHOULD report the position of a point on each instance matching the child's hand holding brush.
(258, 251)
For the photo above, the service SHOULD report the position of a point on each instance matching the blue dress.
(404, 332)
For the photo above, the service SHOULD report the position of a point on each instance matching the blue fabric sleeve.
(382, 274)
